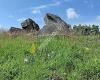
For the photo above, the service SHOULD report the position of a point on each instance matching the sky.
(13, 12)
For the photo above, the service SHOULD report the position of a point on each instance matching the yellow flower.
(33, 48)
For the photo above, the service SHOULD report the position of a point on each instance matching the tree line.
(86, 29)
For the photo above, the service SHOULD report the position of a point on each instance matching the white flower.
(48, 55)
(52, 52)
(25, 60)
(87, 49)
(64, 73)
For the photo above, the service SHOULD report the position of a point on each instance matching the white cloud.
(67, 0)
(86, 1)
(71, 13)
(54, 4)
(98, 18)
(2, 29)
(89, 4)
(10, 16)
(40, 7)
(62, 0)
(91, 23)
(37, 9)
(0, 26)
(96, 21)
(21, 19)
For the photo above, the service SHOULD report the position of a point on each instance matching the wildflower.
(65, 73)
(25, 60)
(52, 52)
(87, 49)
(33, 48)
(48, 55)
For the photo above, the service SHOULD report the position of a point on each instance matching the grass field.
(50, 58)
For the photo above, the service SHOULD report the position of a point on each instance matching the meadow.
(50, 58)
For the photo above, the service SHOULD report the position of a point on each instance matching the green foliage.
(91, 73)
(86, 30)
(60, 58)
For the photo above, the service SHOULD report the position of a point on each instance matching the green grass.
(56, 58)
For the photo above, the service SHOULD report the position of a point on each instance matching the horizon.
(76, 12)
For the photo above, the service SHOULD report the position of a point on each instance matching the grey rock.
(13, 29)
(29, 25)
(54, 25)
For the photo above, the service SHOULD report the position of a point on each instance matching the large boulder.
(30, 25)
(14, 30)
(54, 25)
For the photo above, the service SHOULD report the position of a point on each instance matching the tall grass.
(56, 58)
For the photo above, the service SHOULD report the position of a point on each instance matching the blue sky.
(13, 12)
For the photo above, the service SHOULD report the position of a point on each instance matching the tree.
(86, 29)
(95, 29)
